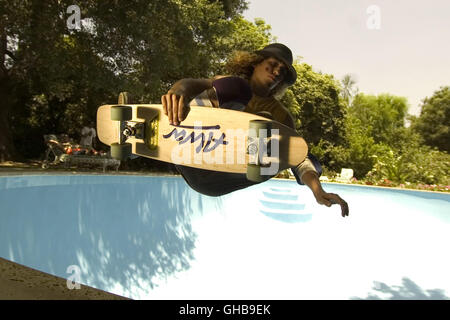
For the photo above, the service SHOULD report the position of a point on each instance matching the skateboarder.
(258, 79)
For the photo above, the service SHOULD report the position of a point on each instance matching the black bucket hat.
(284, 54)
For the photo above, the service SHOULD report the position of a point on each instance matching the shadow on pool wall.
(409, 290)
(91, 226)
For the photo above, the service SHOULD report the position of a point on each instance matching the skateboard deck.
(209, 138)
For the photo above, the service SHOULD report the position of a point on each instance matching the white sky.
(409, 55)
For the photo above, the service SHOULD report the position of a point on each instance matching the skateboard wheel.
(120, 151)
(258, 142)
(121, 113)
(254, 173)
(260, 124)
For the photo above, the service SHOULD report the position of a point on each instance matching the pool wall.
(155, 238)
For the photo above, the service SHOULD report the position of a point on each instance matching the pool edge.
(18, 282)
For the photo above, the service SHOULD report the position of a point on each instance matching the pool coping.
(18, 282)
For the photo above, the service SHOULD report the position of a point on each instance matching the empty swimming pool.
(155, 238)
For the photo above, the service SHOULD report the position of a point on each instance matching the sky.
(400, 47)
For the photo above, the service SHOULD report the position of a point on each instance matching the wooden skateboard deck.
(209, 138)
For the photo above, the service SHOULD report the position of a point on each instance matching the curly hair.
(242, 64)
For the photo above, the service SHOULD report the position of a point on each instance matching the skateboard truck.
(129, 129)
(258, 147)
(123, 114)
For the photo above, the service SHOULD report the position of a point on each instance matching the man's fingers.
(335, 199)
(164, 104)
(344, 208)
(175, 109)
(167, 105)
(342, 203)
(180, 108)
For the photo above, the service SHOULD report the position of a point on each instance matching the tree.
(359, 152)
(379, 146)
(433, 124)
(54, 74)
(242, 35)
(232, 8)
(12, 19)
(320, 114)
(382, 116)
(411, 162)
(348, 88)
(53, 78)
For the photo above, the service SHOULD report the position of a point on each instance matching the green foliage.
(404, 159)
(53, 79)
(381, 116)
(248, 36)
(319, 112)
(359, 151)
(58, 77)
(433, 124)
(423, 165)
(348, 88)
(390, 166)
(241, 35)
(152, 44)
(378, 147)
(232, 8)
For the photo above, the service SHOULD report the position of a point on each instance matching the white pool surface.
(155, 238)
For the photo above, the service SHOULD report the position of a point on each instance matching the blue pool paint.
(155, 238)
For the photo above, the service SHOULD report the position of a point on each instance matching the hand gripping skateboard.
(209, 138)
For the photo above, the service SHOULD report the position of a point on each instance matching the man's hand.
(176, 101)
(174, 107)
(311, 179)
(329, 199)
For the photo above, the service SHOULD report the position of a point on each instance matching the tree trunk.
(7, 149)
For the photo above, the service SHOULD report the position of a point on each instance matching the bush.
(415, 165)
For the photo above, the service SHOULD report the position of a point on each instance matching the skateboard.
(209, 138)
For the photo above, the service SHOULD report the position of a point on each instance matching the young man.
(88, 135)
(258, 79)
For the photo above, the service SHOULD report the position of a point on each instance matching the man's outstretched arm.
(311, 179)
